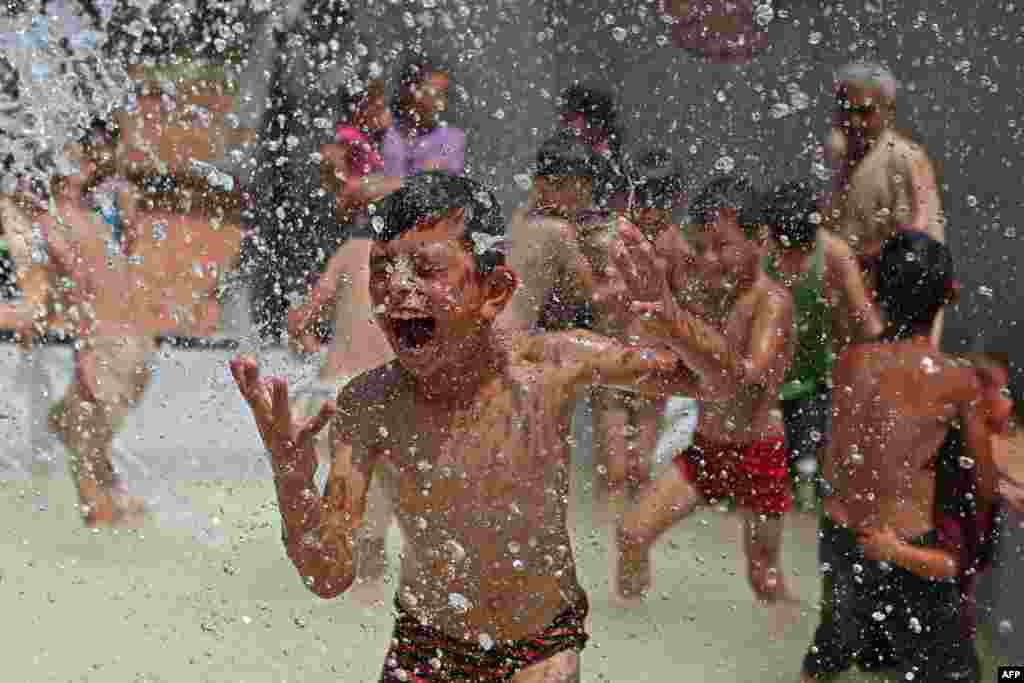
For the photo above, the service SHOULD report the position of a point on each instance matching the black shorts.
(881, 616)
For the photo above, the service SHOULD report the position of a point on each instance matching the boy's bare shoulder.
(374, 390)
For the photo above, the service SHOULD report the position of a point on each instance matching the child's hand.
(289, 443)
(300, 319)
(881, 545)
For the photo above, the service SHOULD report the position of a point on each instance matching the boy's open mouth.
(414, 332)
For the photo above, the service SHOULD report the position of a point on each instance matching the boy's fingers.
(316, 423)
(279, 404)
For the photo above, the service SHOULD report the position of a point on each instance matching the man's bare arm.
(857, 318)
(926, 203)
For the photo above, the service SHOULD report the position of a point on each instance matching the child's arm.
(722, 368)
(885, 546)
(318, 531)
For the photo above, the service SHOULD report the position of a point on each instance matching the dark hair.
(657, 178)
(728, 192)
(914, 280)
(565, 155)
(791, 211)
(415, 70)
(99, 133)
(434, 194)
(595, 104)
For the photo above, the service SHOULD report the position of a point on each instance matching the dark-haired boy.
(739, 448)
(889, 572)
(831, 309)
(474, 422)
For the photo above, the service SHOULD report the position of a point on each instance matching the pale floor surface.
(205, 593)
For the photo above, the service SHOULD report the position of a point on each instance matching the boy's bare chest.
(494, 449)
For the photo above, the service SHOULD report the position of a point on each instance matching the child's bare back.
(893, 405)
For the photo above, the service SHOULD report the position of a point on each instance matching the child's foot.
(632, 574)
(113, 508)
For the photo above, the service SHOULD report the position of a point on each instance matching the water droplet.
(814, 38)
(725, 164)
(458, 601)
(799, 100)
(455, 549)
(878, 616)
(765, 14)
(619, 33)
(609, 19)
(523, 181)
(383, 431)
(1010, 232)
(857, 568)
(421, 523)
(915, 625)
(1005, 627)
(499, 114)
(720, 96)
(985, 291)
(972, 201)
(909, 675)
(518, 565)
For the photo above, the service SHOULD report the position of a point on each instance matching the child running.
(101, 298)
(739, 447)
(474, 422)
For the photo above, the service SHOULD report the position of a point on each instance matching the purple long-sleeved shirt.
(444, 144)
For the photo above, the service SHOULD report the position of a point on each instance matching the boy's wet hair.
(99, 133)
(566, 156)
(595, 104)
(915, 279)
(416, 69)
(791, 212)
(435, 194)
(729, 192)
(658, 179)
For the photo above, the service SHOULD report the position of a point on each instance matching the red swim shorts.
(755, 474)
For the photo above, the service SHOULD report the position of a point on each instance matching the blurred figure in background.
(831, 310)
(884, 183)
(420, 139)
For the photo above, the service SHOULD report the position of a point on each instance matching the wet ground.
(205, 593)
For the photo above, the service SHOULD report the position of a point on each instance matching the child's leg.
(669, 499)
(646, 415)
(762, 544)
(561, 668)
(111, 376)
(611, 457)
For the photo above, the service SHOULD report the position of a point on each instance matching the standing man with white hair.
(885, 183)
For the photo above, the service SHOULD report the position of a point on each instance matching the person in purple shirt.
(419, 140)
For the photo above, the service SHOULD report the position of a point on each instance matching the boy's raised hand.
(290, 443)
(645, 274)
